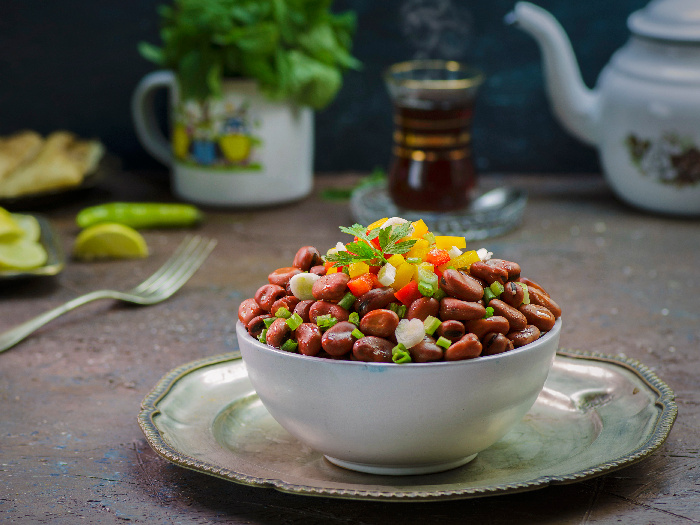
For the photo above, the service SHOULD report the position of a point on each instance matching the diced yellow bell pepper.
(377, 224)
(404, 274)
(332, 269)
(419, 229)
(396, 260)
(357, 269)
(445, 242)
(419, 250)
(422, 267)
(461, 261)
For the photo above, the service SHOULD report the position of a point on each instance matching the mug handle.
(143, 112)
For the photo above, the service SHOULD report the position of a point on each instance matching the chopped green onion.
(439, 294)
(400, 355)
(425, 288)
(295, 321)
(268, 322)
(324, 322)
(526, 297)
(430, 237)
(431, 324)
(357, 334)
(401, 311)
(354, 318)
(263, 336)
(488, 295)
(290, 345)
(496, 288)
(414, 260)
(489, 312)
(283, 313)
(443, 342)
(347, 301)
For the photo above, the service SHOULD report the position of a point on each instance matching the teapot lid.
(675, 20)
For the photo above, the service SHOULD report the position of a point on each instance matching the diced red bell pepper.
(408, 293)
(437, 256)
(362, 284)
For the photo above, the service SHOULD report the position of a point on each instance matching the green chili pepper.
(354, 318)
(141, 214)
(324, 322)
(290, 345)
(295, 321)
(400, 355)
(357, 334)
(443, 342)
(489, 312)
(283, 312)
(268, 321)
(431, 324)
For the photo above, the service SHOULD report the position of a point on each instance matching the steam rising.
(436, 28)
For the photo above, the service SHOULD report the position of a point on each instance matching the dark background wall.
(73, 64)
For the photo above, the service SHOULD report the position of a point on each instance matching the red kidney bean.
(302, 309)
(372, 349)
(277, 333)
(281, 276)
(513, 294)
(426, 351)
(422, 308)
(525, 336)
(379, 323)
(532, 284)
(257, 324)
(288, 301)
(512, 268)
(481, 327)
(537, 297)
(466, 347)
(248, 309)
(338, 339)
(326, 308)
(539, 316)
(516, 319)
(451, 330)
(267, 294)
(318, 270)
(488, 273)
(494, 343)
(460, 285)
(330, 287)
(306, 257)
(309, 339)
(451, 308)
(374, 299)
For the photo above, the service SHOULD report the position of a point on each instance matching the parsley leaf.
(389, 239)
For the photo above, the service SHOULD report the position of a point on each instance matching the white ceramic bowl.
(384, 418)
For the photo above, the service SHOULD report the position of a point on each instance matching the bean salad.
(398, 293)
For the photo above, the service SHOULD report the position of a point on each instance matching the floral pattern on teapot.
(217, 133)
(670, 159)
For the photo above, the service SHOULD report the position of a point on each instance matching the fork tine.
(182, 252)
(181, 275)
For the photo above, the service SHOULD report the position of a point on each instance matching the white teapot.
(644, 113)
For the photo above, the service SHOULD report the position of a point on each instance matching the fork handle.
(17, 334)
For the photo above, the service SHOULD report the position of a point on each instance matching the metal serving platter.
(595, 415)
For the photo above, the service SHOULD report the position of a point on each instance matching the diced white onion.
(395, 221)
(301, 285)
(410, 332)
(484, 254)
(340, 247)
(387, 274)
(454, 252)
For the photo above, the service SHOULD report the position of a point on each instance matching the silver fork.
(168, 279)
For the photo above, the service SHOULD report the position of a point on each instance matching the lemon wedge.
(9, 229)
(109, 240)
(29, 225)
(22, 254)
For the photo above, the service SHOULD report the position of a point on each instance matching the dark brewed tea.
(432, 166)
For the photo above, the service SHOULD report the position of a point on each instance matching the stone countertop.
(72, 451)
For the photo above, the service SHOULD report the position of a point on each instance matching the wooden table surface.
(71, 450)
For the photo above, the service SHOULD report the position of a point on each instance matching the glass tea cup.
(432, 167)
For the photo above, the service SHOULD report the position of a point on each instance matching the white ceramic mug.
(238, 150)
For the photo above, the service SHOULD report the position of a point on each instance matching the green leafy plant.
(297, 50)
(389, 241)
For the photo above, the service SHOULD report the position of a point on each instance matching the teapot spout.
(574, 104)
